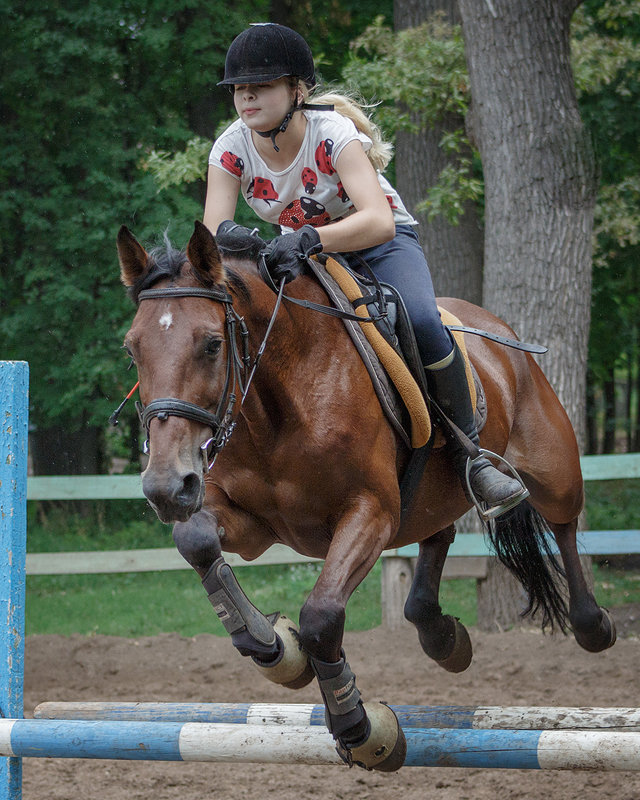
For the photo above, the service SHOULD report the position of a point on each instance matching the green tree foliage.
(418, 77)
(607, 66)
(87, 91)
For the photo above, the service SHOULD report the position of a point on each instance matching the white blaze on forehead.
(166, 320)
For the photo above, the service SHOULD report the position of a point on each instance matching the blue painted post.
(14, 410)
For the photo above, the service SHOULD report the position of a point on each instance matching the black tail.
(519, 539)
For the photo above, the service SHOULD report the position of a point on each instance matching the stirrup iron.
(485, 511)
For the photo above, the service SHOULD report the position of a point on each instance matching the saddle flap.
(394, 364)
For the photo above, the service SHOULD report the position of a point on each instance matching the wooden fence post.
(397, 574)
(14, 409)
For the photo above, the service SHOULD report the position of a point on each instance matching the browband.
(186, 291)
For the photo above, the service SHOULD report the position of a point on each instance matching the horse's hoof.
(603, 638)
(292, 668)
(460, 650)
(462, 653)
(385, 749)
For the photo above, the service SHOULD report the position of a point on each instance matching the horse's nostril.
(190, 487)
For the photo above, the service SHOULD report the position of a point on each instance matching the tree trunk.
(609, 424)
(636, 438)
(540, 184)
(591, 446)
(501, 600)
(540, 181)
(454, 252)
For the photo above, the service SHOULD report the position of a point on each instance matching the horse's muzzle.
(174, 496)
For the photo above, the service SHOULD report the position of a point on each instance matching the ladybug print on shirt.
(232, 163)
(263, 189)
(341, 193)
(324, 152)
(304, 211)
(309, 180)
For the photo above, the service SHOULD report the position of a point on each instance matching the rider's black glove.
(286, 255)
(235, 239)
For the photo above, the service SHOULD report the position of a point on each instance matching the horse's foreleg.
(270, 641)
(593, 627)
(442, 637)
(370, 735)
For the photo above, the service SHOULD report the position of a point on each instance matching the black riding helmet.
(266, 52)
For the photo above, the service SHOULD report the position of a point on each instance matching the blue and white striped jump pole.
(292, 744)
(469, 717)
(14, 406)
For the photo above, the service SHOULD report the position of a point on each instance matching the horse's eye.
(212, 346)
(129, 355)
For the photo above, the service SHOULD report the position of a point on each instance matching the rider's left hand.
(286, 255)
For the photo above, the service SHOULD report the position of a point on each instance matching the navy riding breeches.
(401, 262)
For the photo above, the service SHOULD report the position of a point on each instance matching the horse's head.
(183, 342)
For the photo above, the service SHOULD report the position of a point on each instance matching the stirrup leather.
(485, 511)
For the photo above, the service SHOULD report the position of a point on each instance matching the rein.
(239, 371)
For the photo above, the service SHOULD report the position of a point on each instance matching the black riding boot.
(497, 492)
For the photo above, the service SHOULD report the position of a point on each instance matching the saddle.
(389, 350)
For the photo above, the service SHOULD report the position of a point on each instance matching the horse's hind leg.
(593, 627)
(442, 637)
(270, 641)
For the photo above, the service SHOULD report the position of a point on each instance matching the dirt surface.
(515, 668)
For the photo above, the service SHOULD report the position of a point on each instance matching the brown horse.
(314, 463)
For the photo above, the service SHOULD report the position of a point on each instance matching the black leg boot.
(496, 491)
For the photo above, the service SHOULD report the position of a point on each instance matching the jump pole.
(462, 717)
(292, 744)
(14, 405)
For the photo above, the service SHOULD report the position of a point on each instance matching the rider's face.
(262, 106)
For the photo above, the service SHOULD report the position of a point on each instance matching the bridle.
(238, 372)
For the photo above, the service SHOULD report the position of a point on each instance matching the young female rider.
(317, 173)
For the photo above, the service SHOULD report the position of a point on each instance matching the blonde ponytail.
(380, 152)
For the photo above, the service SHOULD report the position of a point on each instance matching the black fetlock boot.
(496, 491)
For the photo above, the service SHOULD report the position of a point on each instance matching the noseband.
(238, 365)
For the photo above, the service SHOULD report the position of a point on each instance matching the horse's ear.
(203, 253)
(132, 257)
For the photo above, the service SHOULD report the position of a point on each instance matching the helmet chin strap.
(282, 127)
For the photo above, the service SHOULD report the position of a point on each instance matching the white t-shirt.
(308, 191)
